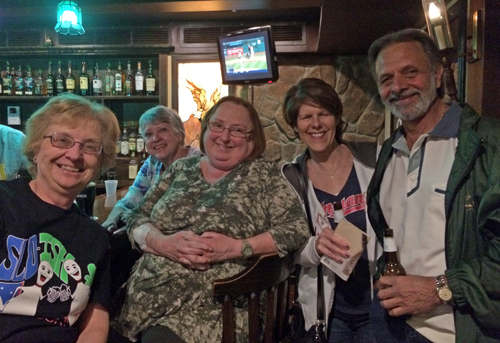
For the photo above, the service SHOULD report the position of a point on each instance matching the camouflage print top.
(253, 198)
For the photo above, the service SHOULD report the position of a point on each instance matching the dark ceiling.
(342, 26)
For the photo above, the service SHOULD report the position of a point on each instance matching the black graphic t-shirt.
(352, 297)
(53, 262)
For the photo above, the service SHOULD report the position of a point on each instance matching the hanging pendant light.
(69, 18)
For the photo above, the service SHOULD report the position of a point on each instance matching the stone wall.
(351, 78)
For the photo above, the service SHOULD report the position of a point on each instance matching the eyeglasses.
(60, 140)
(233, 131)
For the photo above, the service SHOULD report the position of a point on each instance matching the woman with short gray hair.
(163, 132)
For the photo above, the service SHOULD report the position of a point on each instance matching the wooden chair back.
(269, 273)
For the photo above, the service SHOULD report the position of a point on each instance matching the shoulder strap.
(320, 308)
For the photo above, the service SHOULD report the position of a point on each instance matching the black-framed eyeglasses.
(233, 131)
(63, 141)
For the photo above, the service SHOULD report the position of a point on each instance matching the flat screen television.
(248, 56)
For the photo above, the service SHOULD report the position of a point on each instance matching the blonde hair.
(73, 111)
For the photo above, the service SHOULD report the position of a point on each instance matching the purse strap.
(320, 308)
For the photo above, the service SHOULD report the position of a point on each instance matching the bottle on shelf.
(84, 80)
(19, 82)
(7, 81)
(133, 167)
(124, 142)
(29, 83)
(132, 139)
(118, 146)
(96, 81)
(119, 79)
(39, 84)
(129, 81)
(140, 144)
(150, 80)
(144, 157)
(392, 266)
(108, 81)
(60, 84)
(50, 80)
(70, 79)
(139, 80)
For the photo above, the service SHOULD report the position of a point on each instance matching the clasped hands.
(192, 250)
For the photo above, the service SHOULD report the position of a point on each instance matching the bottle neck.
(390, 245)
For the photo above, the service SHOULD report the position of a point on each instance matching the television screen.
(248, 56)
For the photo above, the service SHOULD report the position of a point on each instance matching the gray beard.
(412, 111)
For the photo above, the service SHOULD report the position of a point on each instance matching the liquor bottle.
(133, 167)
(39, 84)
(392, 266)
(132, 140)
(139, 80)
(19, 82)
(119, 79)
(84, 80)
(144, 157)
(140, 144)
(29, 83)
(124, 142)
(118, 146)
(150, 80)
(96, 81)
(50, 80)
(60, 84)
(70, 79)
(129, 81)
(108, 81)
(7, 81)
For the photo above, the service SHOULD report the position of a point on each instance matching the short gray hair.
(161, 114)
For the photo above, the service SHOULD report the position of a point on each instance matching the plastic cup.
(110, 187)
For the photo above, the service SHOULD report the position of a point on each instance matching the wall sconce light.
(439, 29)
(437, 23)
(476, 41)
(69, 18)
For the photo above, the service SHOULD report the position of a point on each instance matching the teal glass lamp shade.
(69, 18)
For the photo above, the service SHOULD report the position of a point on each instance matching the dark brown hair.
(315, 92)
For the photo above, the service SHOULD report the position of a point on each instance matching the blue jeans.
(358, 330)
(389, 329)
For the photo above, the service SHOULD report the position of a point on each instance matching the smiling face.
(162, 141)
(224, 151)
(316, 128)
(406, 82)
(73, 269)
(65, 172)
(45, 273)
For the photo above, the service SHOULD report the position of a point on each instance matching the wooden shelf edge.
(45, 51)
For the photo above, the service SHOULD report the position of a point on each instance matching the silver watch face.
(444, 294)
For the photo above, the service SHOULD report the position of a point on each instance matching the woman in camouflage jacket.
(206, 219)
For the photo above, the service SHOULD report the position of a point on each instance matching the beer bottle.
(392, 266)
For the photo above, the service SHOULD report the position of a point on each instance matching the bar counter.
(103, 204)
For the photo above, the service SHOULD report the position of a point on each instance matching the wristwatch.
(246, 249)
(444, 292)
